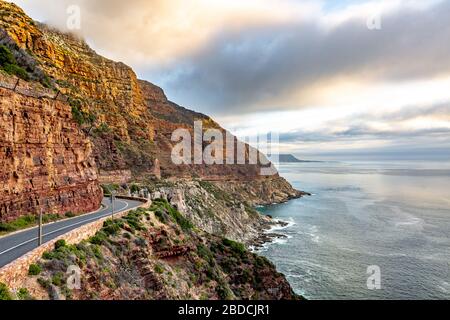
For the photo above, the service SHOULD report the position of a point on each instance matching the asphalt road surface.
(16, 245)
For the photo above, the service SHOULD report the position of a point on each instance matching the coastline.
(267, 232)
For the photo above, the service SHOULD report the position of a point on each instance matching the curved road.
(16, 245)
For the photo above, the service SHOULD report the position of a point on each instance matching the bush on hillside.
(9, 64)
(4, 292)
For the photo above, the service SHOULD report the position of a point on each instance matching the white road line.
(63, 228)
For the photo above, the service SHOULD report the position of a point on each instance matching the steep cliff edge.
(128, 121)
(45, 159)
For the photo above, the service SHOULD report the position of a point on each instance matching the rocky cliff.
(129, 121)
(45, 159)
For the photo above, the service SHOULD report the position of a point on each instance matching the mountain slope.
(133, 118)
(128, 121)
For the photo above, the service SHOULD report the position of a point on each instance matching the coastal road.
(17, 244)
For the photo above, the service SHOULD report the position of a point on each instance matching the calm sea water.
(395, 215)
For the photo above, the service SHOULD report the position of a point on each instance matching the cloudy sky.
(366, 79)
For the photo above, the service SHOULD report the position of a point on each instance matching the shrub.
(44, 283)
(34, 270)
(70, 214)
(108, 188)
(159, 269)
(235, 246)
(46, 82)
(47, 255)
(80, 116)
(134, 188)
(60, 244)
(97, 251)
(140, 242)
(223, 292)
(127, 235)
(99, 238)
(16, 70)
(6, 56)
(103, 128)
(204, 253)
(161, 215)
(19, 223)
(4, 292)
(57, 279)
(9, 64)
(23, 294)
(112, 227)
(50, 217)
(261, 262)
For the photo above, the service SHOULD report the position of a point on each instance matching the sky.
(365, 79)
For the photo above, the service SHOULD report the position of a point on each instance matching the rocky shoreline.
(265, 235)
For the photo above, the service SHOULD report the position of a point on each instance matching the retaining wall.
(15, 273)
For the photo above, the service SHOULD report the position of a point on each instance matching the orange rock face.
(45, 159)
(137, 113)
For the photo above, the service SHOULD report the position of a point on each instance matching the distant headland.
(289, 158)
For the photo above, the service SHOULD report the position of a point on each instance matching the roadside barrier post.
(112, 204)
(40, 229)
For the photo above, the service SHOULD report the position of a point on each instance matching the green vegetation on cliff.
(9, 64)
(155, 254)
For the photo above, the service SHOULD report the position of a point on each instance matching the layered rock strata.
(45, 159)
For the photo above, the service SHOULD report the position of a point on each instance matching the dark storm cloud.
(255, 67)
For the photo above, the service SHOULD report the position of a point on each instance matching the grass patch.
(162, 207)
(27, 221)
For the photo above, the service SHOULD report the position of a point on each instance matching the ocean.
(391, 216)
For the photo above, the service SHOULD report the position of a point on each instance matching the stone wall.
(16, 273)
(114, 176)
